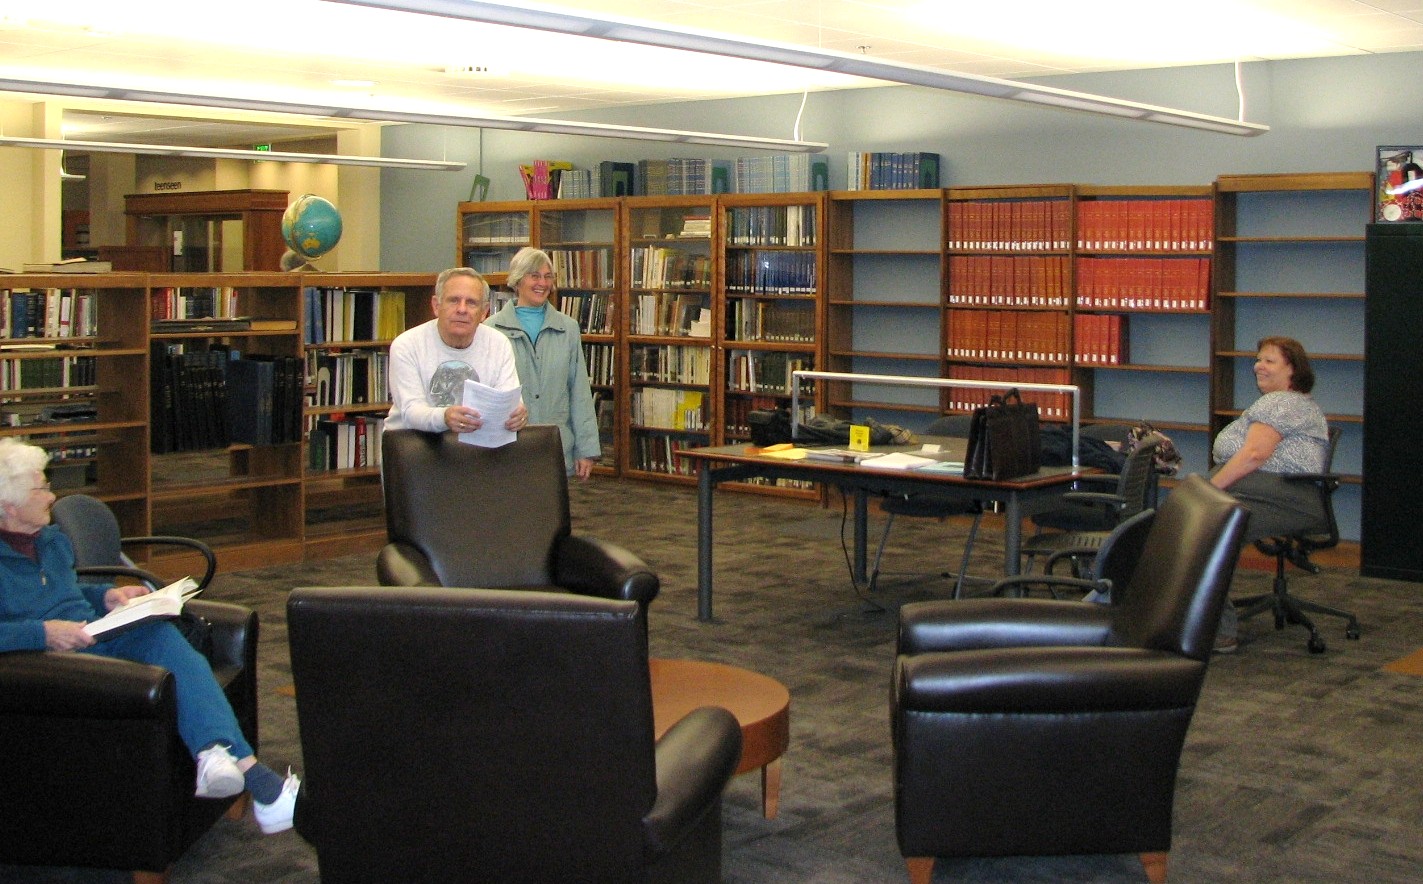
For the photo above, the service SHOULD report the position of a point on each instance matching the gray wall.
(1324, 114)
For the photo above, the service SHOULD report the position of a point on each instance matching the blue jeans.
(204, 715)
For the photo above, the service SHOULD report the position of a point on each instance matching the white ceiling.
(294, 50)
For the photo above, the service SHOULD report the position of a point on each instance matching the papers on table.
(841, 455)
(494, 407)
(898, 460)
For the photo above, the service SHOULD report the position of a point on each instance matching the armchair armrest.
(597, 567)
(187, 543)
(1046, 680)
(1017, 587)
(695, 759)
(401, 564)
(1106, 480)
(66, 685)
(926, 627)
(234, 632)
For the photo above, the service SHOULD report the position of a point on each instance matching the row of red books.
(1099, 339)
(1154, 284)
(1051, 405)
(1009, 280)
(1009, 335)
(1160, 225)
(1011, 225)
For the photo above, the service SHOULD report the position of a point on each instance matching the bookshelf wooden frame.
(1294, 241)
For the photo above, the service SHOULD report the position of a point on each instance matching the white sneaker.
(277, 816)
(218, 776)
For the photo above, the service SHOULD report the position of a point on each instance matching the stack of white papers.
(898, 460)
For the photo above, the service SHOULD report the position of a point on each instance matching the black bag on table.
(773, 426)
(1004, 441)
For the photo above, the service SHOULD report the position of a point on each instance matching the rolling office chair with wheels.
(1105, 574)
(1090, 515)
(926, 505)
(1295, 549)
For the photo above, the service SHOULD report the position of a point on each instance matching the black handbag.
(1004, 439)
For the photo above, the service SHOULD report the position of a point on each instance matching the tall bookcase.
(1290, 261)
(1141, 316)
(1009, 280)
(672, 280)
(770, 293)
(884, 297)
(86, 393)
(71, 390)
(349, 321)
(584, 239)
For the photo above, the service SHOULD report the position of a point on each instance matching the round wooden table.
(761, 705)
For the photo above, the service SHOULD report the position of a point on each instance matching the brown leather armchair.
(495, 735)
(1036, 727)
(458, 515)
(96, 775)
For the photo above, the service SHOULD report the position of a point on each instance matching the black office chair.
(1089, 516)
(1295, 549)
(99, 545)
(927, 505)
(1107, 572)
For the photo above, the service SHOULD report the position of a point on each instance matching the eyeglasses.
(44, 487)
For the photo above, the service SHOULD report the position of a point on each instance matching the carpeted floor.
(1297, 768)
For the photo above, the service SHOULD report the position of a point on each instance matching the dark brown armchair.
(495, 735)
(458, 515)
(95, 774)
(1036, 727)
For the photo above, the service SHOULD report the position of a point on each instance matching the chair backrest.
(483, 516)
(1183, 574)
(92, 529)
(1136, 484)
(1328, 538)
(1120, 551)
(454, 734)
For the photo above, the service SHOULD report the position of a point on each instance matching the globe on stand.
(311, 227)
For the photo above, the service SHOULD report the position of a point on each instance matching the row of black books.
(214, 397)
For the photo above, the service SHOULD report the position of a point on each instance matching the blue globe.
(311, 226)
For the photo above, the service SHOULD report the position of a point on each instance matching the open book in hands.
(160, 604)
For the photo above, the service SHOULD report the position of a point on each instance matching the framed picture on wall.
(1398, 186)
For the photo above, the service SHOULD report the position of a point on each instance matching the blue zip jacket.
(32, 592)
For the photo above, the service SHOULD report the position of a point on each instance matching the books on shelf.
(892, 171)
(161, 604)
(1152, 225)
(47, 313)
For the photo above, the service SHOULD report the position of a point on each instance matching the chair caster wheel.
(1352, 633)
(1316, 644)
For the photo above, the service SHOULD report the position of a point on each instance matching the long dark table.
(733, 463)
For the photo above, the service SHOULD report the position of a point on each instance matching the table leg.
(1012, 536)
(862, 516)
(771, 789)
(705, 487)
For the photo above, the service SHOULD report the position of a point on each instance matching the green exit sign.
(261, 147)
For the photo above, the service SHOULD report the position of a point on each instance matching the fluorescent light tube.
(561, 21)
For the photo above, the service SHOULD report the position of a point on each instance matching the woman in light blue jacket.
(548, 355)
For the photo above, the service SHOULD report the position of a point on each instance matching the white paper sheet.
(494, 407)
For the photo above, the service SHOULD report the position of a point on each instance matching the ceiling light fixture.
(380, 115)
(654, 34)
(223, 153)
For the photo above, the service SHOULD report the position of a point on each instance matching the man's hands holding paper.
(467, 419)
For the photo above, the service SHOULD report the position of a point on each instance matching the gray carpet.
(1297, 768)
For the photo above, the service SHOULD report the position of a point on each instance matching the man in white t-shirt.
(430, 362)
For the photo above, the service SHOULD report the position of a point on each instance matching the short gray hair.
(446, 275)
(526, 261)
(19, 461)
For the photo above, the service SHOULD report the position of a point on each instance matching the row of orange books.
(1009, 335)
(1051, 405)
(1099, 339)
(1161, 225)
(1009, 280)
(1148, 284)
(1011, 225)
